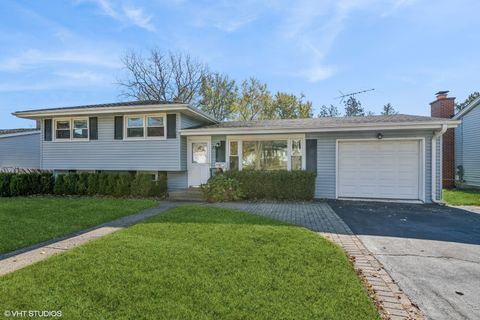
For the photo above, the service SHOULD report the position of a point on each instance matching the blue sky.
(61, 53)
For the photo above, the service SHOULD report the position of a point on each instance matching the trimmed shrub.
(82, 184)
(93, 184)
(70, 183)
(47, 182)
(221, 188)
(143, 185)
(5, 184)
(59, 187)
(275, 185)
(20, 185)
(122, 185)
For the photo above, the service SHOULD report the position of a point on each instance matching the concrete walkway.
(319, 217)
(21, 258)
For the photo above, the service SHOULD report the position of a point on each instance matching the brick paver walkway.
(320, 217)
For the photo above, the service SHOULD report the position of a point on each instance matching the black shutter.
(311, 153)
(47, 129)
(171, 126)
(93, 126)
(220, 152)
(118, 127)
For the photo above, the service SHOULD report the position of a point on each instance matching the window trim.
(289, 139)
(71, 129)
(145, 126)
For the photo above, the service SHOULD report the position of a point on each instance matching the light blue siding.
(326, 158)
(21, 151)
(468, 147)
(177, 180)
(106, 153)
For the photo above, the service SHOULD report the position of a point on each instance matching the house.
(19, 149)
(394, 157)
(467, 145)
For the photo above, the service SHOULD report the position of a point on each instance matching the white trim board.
(369, 127)
(422, 164)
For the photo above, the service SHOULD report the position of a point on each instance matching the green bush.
(5, 184)
(122, 185)
(93, 184)
(221, 188)
(59, 187)
(105, 183)
(23, 184)
(70, 183)
(275, 185)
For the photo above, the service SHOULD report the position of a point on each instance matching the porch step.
(190, 194)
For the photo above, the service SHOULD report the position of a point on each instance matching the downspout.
(436, 135)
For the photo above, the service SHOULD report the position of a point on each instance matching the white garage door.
(379, 169)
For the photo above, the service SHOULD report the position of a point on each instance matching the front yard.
(196, 263)
(25, 221)
(458, 197)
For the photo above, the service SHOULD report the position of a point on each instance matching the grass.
(26, 221)
(196, 263)
(462, 197)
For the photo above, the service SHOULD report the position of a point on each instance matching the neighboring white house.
(467, 145)
(19, 149)
(395, 157)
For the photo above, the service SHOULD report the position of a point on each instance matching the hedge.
(24, 184)
(109, 184)
(275, 185)
(113, 184)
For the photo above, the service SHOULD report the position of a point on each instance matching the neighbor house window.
(155, 126)
(80, 128)
(233, 161)
(145, 126)
(62, 129)
(296, 157)
(265, 155)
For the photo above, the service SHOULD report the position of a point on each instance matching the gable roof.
(399, 121)
(116, 107)
(4, 133)
(467, 109)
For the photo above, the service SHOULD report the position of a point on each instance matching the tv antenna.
(342, 95)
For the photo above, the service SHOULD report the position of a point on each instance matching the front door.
(198, 153)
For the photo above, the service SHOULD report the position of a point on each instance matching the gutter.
(436, 135)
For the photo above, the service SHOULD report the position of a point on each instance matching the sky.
(66, 53)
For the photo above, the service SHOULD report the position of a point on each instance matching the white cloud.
(138, 17)
(130, 14)
(35, 58)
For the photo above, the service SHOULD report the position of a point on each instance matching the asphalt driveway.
(433, 252)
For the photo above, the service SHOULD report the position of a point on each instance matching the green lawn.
(462, 197)
(26, 221)
(196, 263)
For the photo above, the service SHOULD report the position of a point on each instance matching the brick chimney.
(444, 107)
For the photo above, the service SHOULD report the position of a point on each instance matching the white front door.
(198, 160)
(379, 169)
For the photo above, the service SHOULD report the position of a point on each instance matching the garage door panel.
(379, 169)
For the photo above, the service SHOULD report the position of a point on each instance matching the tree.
(289, 106)
(331, 111)
(254, 102)
(467, 101)
(353, 107)
(162, 76)
(218, 95)
(388, 109)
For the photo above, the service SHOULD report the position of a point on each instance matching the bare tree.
(162, 76)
